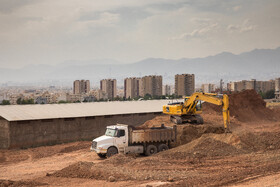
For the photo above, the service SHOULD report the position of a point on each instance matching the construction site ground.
(203, 155)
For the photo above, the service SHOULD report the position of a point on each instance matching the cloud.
(236, 8)
(246, 26)
(201, 21)
(7, 6)
(197, 32)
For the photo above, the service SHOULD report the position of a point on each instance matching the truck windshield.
(111, 132)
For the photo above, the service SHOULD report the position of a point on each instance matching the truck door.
(121, 140)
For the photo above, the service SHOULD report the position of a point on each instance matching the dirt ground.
(202, 156)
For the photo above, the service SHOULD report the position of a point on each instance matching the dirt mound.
(185, 133)
(89, 170)
(260, 141)
(156, 122)
(19, 155)
(205, 146)
(6, 183)
(120, 159)
(246, 106)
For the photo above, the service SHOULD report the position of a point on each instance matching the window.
(111, 132)
(121, 133)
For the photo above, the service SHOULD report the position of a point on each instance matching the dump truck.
(121, 138)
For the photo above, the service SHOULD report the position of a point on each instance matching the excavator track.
(193, 119)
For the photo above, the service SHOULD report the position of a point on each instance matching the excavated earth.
(203, 155)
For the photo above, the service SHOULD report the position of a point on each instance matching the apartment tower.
(81, 86)
(131, 87)
(184, 84)
(150, 85)
(109, 87)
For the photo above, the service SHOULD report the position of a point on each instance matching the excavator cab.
(199, 106)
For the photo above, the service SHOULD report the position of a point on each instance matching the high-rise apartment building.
(166, 90)
(109, 87)
(259, 86)
(184, 84)
(151, 85)
(208, 88)
(131, 87)
(81, 86)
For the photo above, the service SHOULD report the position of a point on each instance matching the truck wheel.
(162, 147)
(111, 151)
(151, 149)
(101, 155)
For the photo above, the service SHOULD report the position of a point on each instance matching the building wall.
(277, 88)
(150, 85)
(23, 134)
(208, 88)
(131, 87)
(4, 133)
(109, 86)
(184, 84)
(81, 86)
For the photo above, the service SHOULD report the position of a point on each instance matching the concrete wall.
(4, 133)
(33, 133)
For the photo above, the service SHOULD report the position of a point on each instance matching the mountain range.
(260, 64)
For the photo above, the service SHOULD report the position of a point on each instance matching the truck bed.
(152, 135)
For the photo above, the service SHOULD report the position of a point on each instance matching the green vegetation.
(21, 101)
(5, 102)
(268, 95)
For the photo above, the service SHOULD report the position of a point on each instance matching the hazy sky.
(51, 32)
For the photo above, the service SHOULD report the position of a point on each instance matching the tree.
(268, 95)
(5, 102)
(147, 97)
(21, 101)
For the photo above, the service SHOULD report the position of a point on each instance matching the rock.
(112, 179)
(271, 147)
(170, 179)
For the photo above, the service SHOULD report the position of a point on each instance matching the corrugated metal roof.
(50, 111)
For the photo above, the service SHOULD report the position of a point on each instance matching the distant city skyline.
(125, 31)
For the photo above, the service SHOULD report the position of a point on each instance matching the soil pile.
(19, 155)
(10, 183)
(246, 106)
(205, 146)
(120, 159)
(185, 133)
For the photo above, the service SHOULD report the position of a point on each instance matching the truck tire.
(111, 151)
(151, 149)
(101, 155)
(162, 147)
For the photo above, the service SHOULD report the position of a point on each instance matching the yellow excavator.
(189, 110)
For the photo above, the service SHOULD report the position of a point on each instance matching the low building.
(24, 126)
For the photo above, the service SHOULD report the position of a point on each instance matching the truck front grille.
(94, 144)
